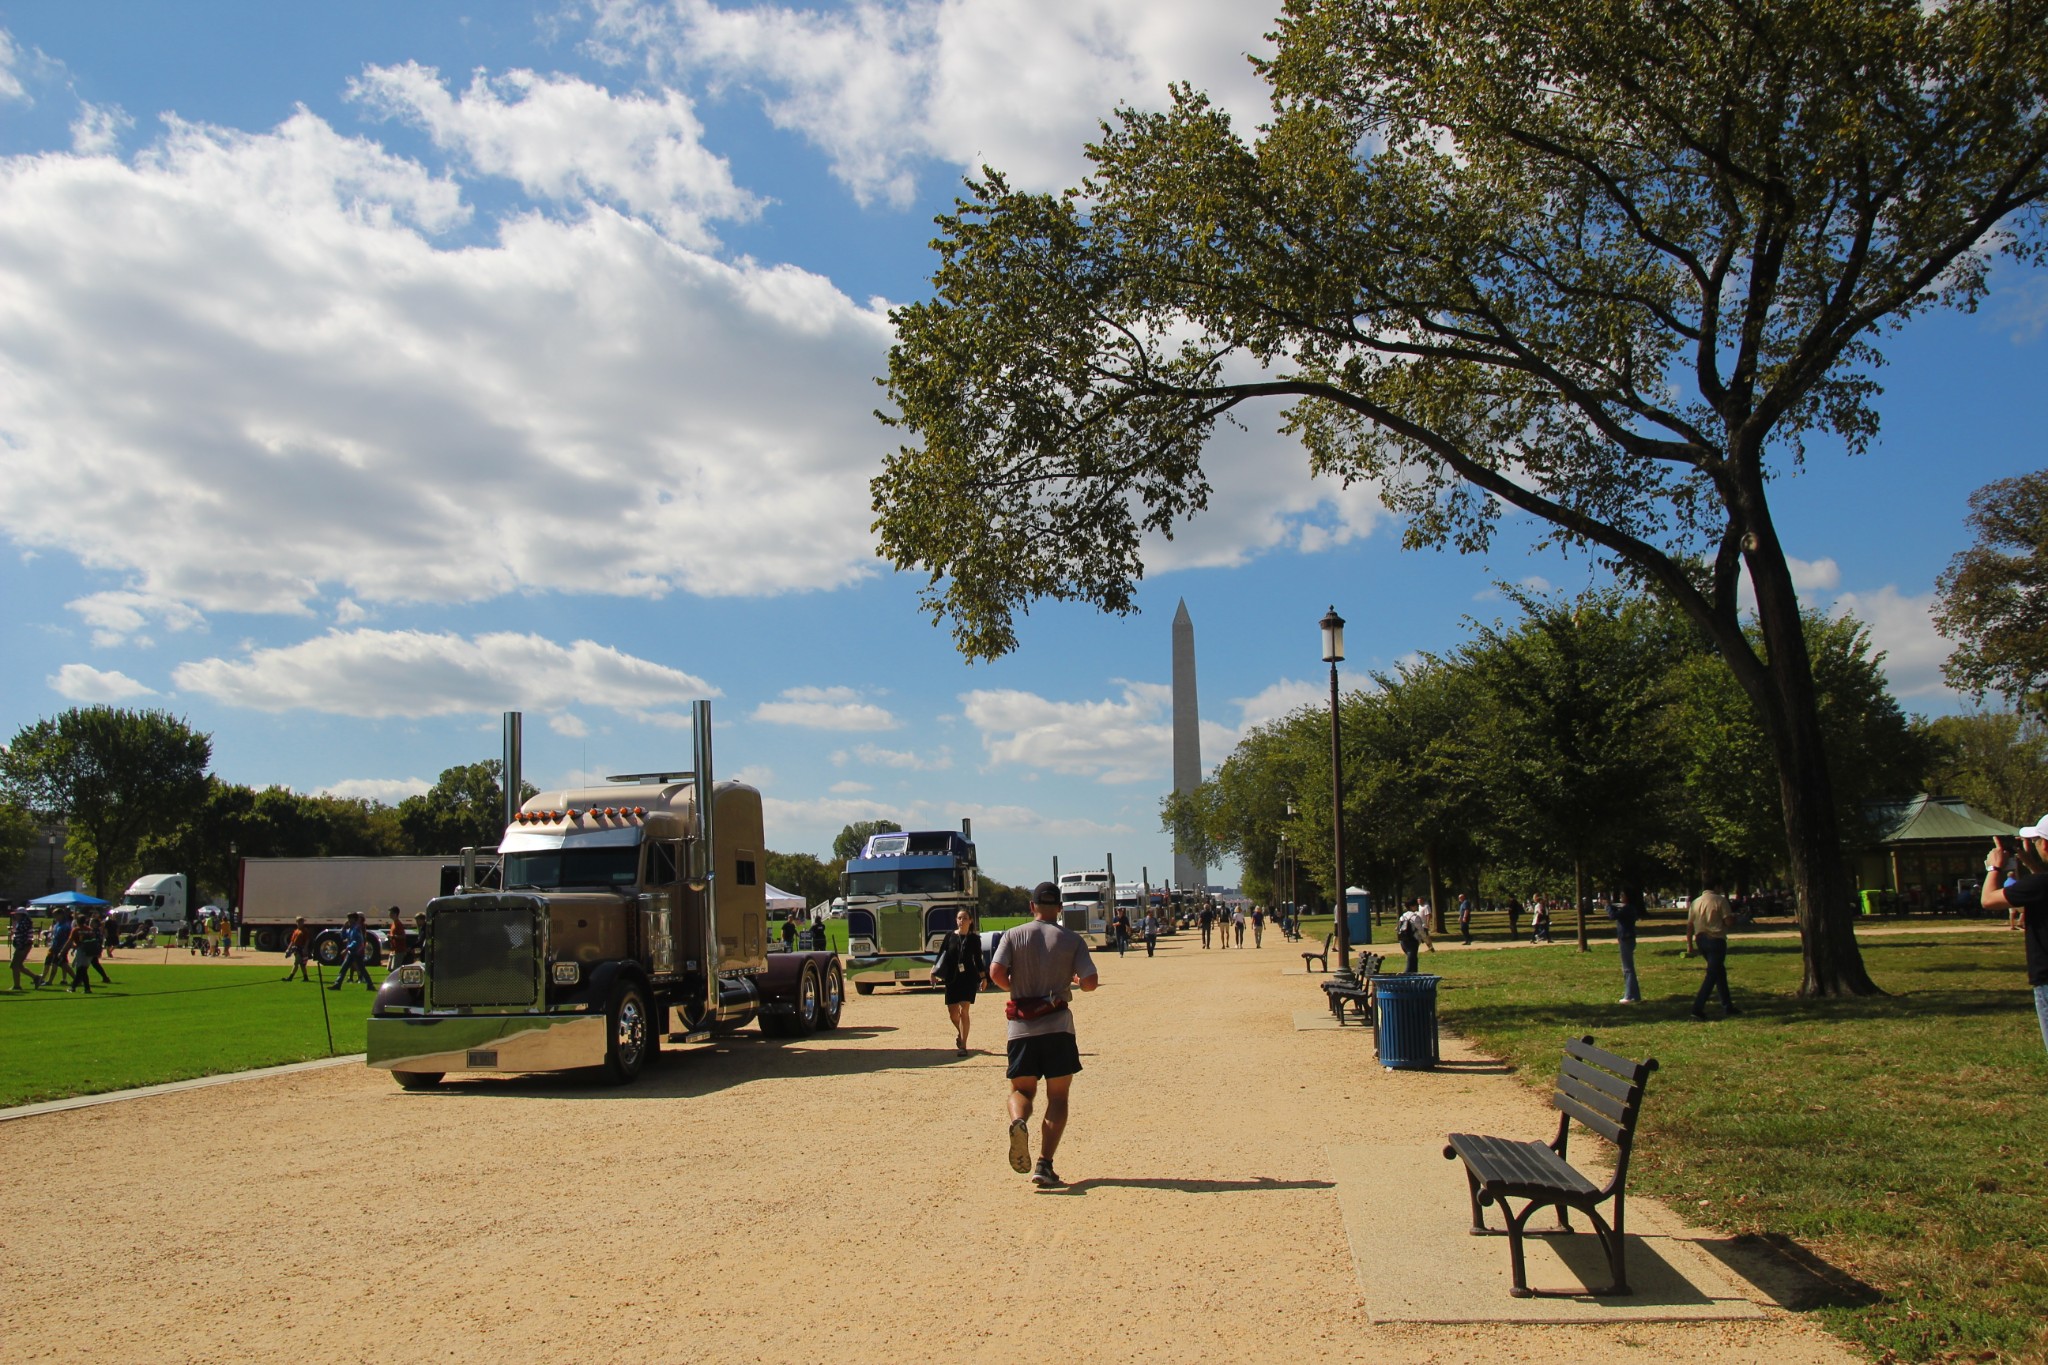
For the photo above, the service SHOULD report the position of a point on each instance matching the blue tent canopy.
(68, 898)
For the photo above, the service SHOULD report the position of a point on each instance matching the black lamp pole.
(1333, 654)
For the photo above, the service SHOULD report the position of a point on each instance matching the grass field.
(1899, 1138)
(167, 1023)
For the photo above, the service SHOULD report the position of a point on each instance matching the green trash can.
(1404, 1021)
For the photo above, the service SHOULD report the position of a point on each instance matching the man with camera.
(2027, 858)
(1039, 963)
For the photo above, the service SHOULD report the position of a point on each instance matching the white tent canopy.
(779, 899)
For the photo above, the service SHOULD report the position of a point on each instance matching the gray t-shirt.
(1043, 960)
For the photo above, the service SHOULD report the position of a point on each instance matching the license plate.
(901, 976)
(489, 1059)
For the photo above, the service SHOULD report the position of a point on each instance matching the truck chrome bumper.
(908, 968)
(452, 1044)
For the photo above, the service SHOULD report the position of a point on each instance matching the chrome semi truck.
(902, 894)
(625, 914)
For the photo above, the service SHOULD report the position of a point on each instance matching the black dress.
(969, 966)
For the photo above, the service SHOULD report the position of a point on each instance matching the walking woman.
(962, 952)
(85, 953)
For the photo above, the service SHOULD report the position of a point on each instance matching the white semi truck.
(154, 903)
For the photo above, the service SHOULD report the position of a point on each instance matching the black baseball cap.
(1045, 893)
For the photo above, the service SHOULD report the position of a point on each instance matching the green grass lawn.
(1899, 1138)
(167, 1023)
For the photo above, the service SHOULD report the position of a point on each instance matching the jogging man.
(1039, 963)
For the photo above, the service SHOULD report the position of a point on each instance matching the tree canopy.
(852, 838)
(463, 809)
(1992, 600)
(1611, 264)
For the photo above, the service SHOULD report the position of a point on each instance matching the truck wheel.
(807, 1002)
(628, 1026)
(416, 1080)
(266, 941)
(864, 987)
(327, 948)
(372, 954)
(832, 999)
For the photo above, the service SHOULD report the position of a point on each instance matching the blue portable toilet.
(1358, 915)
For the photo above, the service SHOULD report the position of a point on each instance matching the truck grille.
(900, 929)
(484, 957)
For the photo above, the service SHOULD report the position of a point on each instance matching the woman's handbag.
(942, 969)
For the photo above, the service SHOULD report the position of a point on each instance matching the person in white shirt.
(1413, 932)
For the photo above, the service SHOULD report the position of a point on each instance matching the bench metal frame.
(1323, 957)
(1604, 1092)
(1360, 995)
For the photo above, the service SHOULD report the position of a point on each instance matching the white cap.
(2039, 831)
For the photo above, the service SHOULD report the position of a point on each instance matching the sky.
(369, 370)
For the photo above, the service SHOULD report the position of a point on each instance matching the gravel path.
(843, 1197)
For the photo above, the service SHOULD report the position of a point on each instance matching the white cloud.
(97, 129)
(881, 88)
(569, 726)
(1278, 699)
(11, 87)
(1903, 627)
(568, 140)
(387, 790)
(849, 788)
(378, 673)
(1129, 739)
(118, 617)
(825, 708)
(83, 682)
(1025, 820)
(348, 611)
(875, 756)
(261, 334)
(1814, 576)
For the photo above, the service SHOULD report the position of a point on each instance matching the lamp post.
(50, 876)
(1333, 654)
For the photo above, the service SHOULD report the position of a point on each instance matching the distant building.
(42, 871)
(1929, 845)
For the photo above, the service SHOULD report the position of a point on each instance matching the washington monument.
(1187, 738)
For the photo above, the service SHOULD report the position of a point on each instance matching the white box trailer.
(274, 892)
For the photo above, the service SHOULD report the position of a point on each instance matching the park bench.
(1356, 993)
(1321, 959)
(1603, 1092)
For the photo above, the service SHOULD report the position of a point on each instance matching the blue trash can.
(1404, 1021)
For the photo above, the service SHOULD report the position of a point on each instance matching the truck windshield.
(554, 868)
(916, 881)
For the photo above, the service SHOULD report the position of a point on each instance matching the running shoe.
(1044, 1176)
(1020, 1146)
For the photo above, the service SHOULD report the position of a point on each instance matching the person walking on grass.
(1465, 917)
(965, 967)
(1039, 963)
(400, 941)
(1707, 924)
(354, 952)
(1626, 913)
(85, 953)
(2027, 894)
(59, 960)
(21, 938)
(297, 948)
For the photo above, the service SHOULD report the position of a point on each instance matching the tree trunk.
(1436, 888)
(1579, 899)
(1785, 698)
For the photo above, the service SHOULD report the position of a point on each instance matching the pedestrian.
(21, 938)
(227, 933)
(1207, 918)
(1539, 920)
(1039, 963)
(1706, 923)
(354, 952)
(1151, 932)
(1514, 919)
(1120, 929)
(1237, 925)
(964, 965)
(1465, 917)
(85, 952)
(789, 933)
(60, 948)
(2027, 893)
(397, 939)
(818, 940)
(296, 948)
(1626, 913)
(1258, 927)
(1413, 931)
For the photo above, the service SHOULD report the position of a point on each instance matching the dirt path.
(844, 1197)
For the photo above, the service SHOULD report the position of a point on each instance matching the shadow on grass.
(1793, 1276)
(1756, 1009)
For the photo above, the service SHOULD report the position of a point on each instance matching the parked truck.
(274, 892)
(626, 913)
(902, 895)
(153, 903)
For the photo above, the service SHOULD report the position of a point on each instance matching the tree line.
(1597, 741)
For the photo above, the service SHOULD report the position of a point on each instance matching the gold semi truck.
(624, 914)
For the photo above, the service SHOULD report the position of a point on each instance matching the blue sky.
(368, 370)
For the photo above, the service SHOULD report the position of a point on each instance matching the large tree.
(1992, 600)
(113, 776)
(463, 809)
(1608, 263)
(854, 837)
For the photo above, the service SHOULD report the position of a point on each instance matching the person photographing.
(2025, 859)
(1039, 963)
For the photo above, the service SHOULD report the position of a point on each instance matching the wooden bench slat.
(1599, 1101)
(1598, 1122)
(1596, 1078)
(1583, 1049)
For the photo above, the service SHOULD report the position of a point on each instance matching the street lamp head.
(1333, 637)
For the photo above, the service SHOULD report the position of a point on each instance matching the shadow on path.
(1194, 1186)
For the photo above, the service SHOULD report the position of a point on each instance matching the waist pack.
(1031, 1007)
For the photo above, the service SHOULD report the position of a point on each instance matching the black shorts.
(1048, 1054)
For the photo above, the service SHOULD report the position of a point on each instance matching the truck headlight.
(567, 973)
(411, 974)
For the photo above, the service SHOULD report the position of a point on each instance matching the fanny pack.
(1031, 1007)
